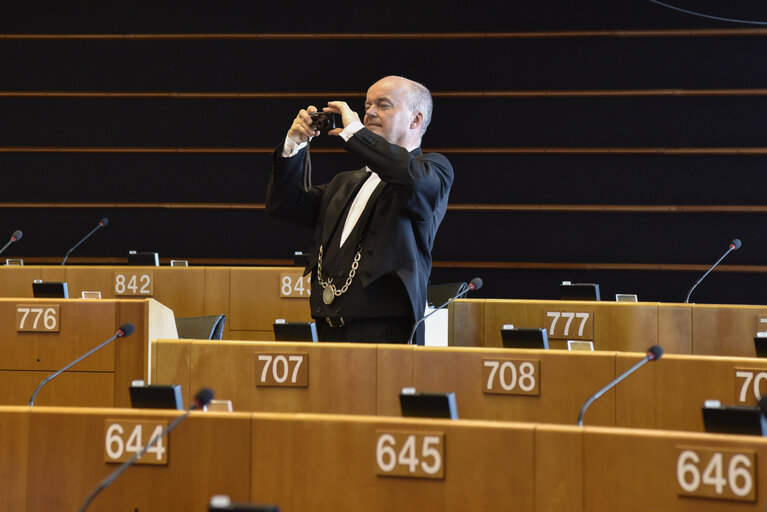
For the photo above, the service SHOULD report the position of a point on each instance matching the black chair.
(438, 294)
(201, 327)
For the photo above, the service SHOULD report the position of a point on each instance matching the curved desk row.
(490, 384)
(703, 329)
(51, 458)
(250, 297)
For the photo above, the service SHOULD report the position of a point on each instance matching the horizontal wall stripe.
(472, 150)
(508, 265)
(412, 35)
(358, 94)
(581, 208)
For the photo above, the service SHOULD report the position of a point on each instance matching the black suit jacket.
(402, 225)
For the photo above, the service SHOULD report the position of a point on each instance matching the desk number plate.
(569, 325)
(716, 473)
(38, 318)
(295, 285)
(410, 454)
(282, 370)
(123, 439)
(511, 376)
(134, 284)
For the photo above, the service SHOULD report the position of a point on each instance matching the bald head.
(398, 109)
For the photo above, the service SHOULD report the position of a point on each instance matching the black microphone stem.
(110, 340)
(463, 291)
(128, 463)
(602, 391)
(687, 299)
(6, 245)
(81, 241)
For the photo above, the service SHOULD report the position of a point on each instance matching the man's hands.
(301, 130)
(348, 115)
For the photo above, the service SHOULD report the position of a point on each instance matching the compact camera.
(323, 121)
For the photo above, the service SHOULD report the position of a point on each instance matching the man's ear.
(416, 121)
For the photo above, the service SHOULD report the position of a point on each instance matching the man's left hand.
(348, 115)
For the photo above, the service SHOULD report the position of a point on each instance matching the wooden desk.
(637, 470)
(103, 378)
(208, 454)
(669, 394)
(632, 327)
(341, 376)
(248, 296)
(565, 380)
(309, 462)
(367, 379)
(329, 463)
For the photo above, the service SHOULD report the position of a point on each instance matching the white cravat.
(359, 203)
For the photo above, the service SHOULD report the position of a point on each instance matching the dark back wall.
(620, 142)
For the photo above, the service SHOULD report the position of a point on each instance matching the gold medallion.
(328, 295)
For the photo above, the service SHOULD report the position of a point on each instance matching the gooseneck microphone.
(15, 237)
(201, 399)
(124, 331)
(103, 222)
(734, 246)
(653, 354)
(474, 284)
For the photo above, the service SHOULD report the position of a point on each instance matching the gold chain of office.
(329, 290)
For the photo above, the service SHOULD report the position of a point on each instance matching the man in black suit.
(374, 228)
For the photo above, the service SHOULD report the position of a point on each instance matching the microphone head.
(655, 352)
(125, 330)
(735, 244)
(475, 284)
(103, 222)
(203, 398)
(16, 236)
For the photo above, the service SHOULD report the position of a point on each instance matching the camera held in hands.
(323, 121)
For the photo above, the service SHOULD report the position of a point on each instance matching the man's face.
(387, 112)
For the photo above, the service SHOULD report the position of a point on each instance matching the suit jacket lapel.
(339, 202)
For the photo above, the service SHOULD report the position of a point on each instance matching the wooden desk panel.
(558, 468)
(208, 454)
(82, 324)
(636, 470)
(342, 377)
(70, 389)
(85, 324)
(726, 330)
(668, 394)
(14, 442)
(466, 323)
(394, 371)
(566, 380)
(254, 288)
(488, 466)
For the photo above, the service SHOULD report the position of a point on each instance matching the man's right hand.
(301, 129)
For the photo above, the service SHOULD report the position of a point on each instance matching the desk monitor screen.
(760, 344)
(524, 337)
(734, 419)
(428, 405)
(295, 331)
(579, 291)
(49, 290)
(144, 258)
(156, 396)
